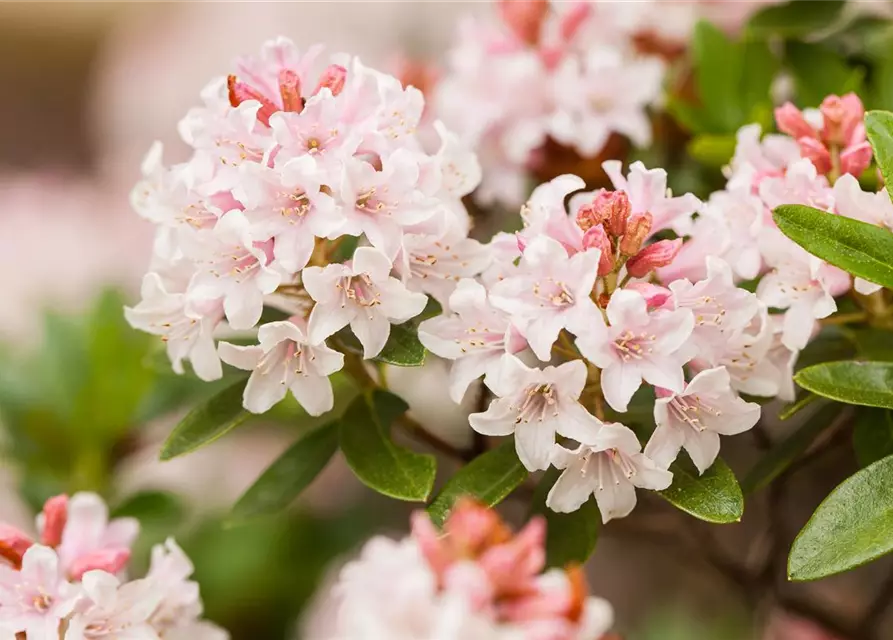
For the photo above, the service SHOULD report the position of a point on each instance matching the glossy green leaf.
(403, 348)
(570, 537)
(713, 497)
(879, 128)
(873, 435)
(289, 474)
(851, 381)
(207, 422)
(795, 18)
(784, 453)
(759, 69)
(718, 63)
(379, 463)
(853, 526)
(489, 478)
(861, 249)
(792, 409)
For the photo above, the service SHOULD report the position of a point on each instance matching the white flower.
(361, 294)
(609, 466)
(285, 361)
(535, 404)
(114, 611)
(548, 292)
(695, 418)
(637, 346)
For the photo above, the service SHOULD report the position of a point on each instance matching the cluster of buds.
(70, 581)
(475, 578)
(832, 138)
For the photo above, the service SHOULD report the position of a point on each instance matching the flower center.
(554, 293)
(359, 290)
(297, 204)
(42, 602)
(710, 312)
(539, 401)
(633, 346)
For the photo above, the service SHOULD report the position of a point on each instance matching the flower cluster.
(560, 71)
(597, 295)
(477, 580)
(292, 162)
(70, 584)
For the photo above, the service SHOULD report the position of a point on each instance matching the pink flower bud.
(790, 120)
(240, 92)
(573, 19)
(290, 90)
(511, 564)
(659, 254)
(473, 527)
(430, 542)
(596, 238)
(655, 295)
(853, 121)
(332, 78)
(637, 229)
(524, 18)
(108, 560)
(522, 243)
(817, 153)
(13, 545)
(55, 515)
(841, 117)
(855, 159)
(610, 208)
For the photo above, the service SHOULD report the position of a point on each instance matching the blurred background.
(85, 401)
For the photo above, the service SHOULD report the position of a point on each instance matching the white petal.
(240, 357)
(263, 391)
(314, 393)
(497, 420)
(372, 331)
(534, 441)
(703, 447)
(326, 319)
(664, 444)
(571, 490)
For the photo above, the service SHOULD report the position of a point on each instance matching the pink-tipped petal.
(790, 120)
(333, 79)
(13, 545)
(55, 515)
(817, 153)
(596, 238)
(524, 18)
(854, 160)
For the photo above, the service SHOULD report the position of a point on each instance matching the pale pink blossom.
(801, 184)
(285, 361)
(534, 405)
(695, 418)
(361, 294)
(637, 345)
(609, 465)
(475, 335)
(113, 610)
(544, 214)
(709, 235)
(549, 291)
(744, 216)
(758, 157)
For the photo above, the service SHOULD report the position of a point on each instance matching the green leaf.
(759, 69)
(853, 526)
(783, 453)
(718, 62)
(861, 249)
(290, 474)
(796, 18)
(570, 537)
(873, 436)
(879, 127)
(158, 509)
(789, 411)
(851, 381)
(692, 118)
(712, 150)
(403, 348)
(871, 343)
(379, 463)
(207, 422)
(819, 71)
(489, 478)
(713, 497)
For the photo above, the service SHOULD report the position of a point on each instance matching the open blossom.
(744, 215)
(548, 292)
(363, 295)
(475, 336)
(609, 465)
(285, 361)
(695, 418)
(637, 345)
(758, 157)
(534, 405)
(112, 610)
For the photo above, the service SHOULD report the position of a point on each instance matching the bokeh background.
(85, 401)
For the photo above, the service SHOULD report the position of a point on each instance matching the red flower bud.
(790, 120)
(817, 153)
(525, 18)
(240, 92)
(659, 254)
(332, 78)
(13, 545)
(841, 116)
(596, 238)
(55, 516)
(108, 560)
(854, 160)
(637, 229)
(290, 91)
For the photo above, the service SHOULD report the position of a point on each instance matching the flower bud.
(290, 91)
(108, 560)
(13, 545)
(524, 18)
(659, 254)
(596, 238)
(573, 19)
(332, 78)
(855, 159)
(55, 515)
(655, 295)
(817, 153)
(240, 92)
(790, 120)
(637, 229)
(841, 118)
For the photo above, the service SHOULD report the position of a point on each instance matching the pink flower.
(801, 184)
(756, 158)
(709, 235)
(361, 294)
(113, 610)
(609, 465)
(654, 256)
(648, 193)
(695, 418)
(637, 345)
(548, 292)
(36, 599)
(544, 214)
(13, 545)
(475, 336)
(744, 215)
(534, 405)
(285, 361)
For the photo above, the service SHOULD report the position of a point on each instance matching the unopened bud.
(13, 545)
(817, 153)
(659, 254)
(108, 560)
(853, 125)
(596, 238)
(603, 300)
(655, 295)
(790, 120)
(55, 516)
(525, 18)
(290, 90)
(854, 160)
(333, 79)
(610, 208)
(240, 92)
(637, 229)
